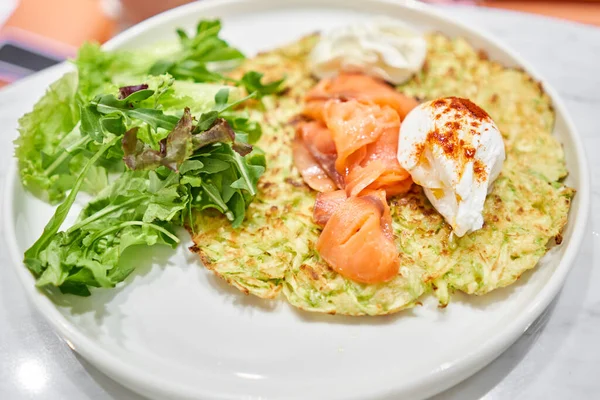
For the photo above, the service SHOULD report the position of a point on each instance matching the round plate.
(173, 330)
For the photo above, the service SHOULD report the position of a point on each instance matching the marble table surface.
(556, 358)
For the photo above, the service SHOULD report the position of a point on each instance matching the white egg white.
(454, 184)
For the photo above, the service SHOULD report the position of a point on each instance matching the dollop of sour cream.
(381, 47)
(453, 149)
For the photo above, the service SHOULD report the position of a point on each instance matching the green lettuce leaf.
(141, 208)
(53, 117)
(179, 147)
(101, 71)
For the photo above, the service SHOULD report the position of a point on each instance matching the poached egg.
(453, 149)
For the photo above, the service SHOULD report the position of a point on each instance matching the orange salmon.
(366, 139)
(351, 144)
(318, 141)
(326, 204)
(312, 173)
(360, 87)
(357, 243)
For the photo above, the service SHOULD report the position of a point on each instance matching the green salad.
(154, 135)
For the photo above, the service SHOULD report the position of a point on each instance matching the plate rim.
(150, 383)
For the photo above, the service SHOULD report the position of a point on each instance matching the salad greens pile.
(155, 135)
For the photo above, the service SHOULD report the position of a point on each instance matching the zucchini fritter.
(273, 251)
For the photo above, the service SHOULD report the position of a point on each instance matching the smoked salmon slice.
(353, 126)
(326, 204)
(312, 173)
(357, 243)
(366, 139)
(360, 87)
(318, 141)
(348, 152)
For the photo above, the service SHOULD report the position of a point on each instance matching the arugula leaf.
(252, 82)
(109, 104)
(155, 118)
(213, 166)
(249, 174)
(207, 120)
(108, 120)
(193, 70)
(237, 205)
(206, 28)
(241, 123)
(212, 199)
(113, 124)
(136, 96)
(190, 165)
(200, 55)
(221, 99)
(125, 215)
(90, 123)
(140, 207)
(232, 174)
(31, 255)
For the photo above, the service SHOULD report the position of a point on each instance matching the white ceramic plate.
(175, 331)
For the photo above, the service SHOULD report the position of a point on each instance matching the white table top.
(558, 356)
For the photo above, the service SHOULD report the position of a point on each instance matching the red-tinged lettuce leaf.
(125, 91)
(137, 155)
(174, 149)
(242, 148)
(219, 132)
(178, 146)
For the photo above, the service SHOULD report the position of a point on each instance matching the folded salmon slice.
(312, 173)
(326, 204)
(357, 241)
(354, 126)
(353, 140)
(360, 87)
(319, 143)
(366, 139)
